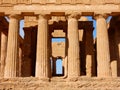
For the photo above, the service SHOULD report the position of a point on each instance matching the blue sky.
(59, 66)
(21, 28)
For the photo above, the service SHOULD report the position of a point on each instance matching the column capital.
(15, 16)
(100, 15)
(73, 15)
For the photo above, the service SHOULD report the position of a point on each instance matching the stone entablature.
(30, 21)
(59, 7)
(59, 1)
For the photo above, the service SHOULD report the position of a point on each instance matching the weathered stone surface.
(31, 7)
(58, 33)
(82, 83)
(103, 52)
(4, 39)
(42, 60)
(73, 47)
(58, 49)
(30, 21)
(36, 55)
(61, 1)
(12, 49)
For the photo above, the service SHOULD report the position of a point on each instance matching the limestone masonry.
(88, 63)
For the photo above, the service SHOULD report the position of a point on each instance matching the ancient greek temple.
(81, 54)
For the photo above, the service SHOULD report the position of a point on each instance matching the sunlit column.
(103, 53)
(12, 48)
(4, 38)
(42, 60)
(73, 47)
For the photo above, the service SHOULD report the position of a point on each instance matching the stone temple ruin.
(29, 63)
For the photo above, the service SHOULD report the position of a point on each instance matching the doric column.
(42, 62)
(89, 51)
(73, 47)
(3, 51)
(103, 53)
(12, 48)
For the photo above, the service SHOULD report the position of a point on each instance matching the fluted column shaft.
(12, 48)
(73, 47)
(3, 52)
(103, 53)
(42, 61)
